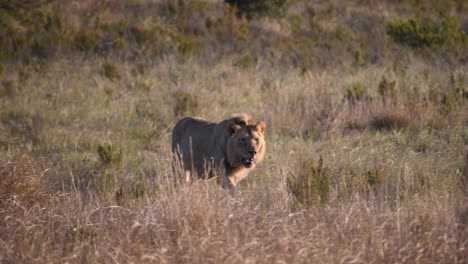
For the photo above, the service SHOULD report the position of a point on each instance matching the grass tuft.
(110, 71)
(311, 186)
(108, 154)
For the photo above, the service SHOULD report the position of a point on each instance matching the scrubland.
(366, 111)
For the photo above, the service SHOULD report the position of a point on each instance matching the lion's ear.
(233, 128)
(260, 127)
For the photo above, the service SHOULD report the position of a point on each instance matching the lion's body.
(228, 149)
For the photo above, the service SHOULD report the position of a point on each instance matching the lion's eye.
(257, 140)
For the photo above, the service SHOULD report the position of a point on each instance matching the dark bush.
(390, 119)
(109, 154)
(23, 4)
(85, 40)
(110, 71)
(355, 93)
(418, 33)
(259, 7)
(387, 90)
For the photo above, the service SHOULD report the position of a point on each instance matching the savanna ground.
(366, 111)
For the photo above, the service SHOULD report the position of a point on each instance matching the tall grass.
(366, 157)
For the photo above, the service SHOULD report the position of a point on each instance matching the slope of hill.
(365, 104)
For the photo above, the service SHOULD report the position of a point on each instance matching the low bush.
(110, 71)
(355, 93)
(418, 33)
(109, 154)
(387, 90)
(311, 185)
(390, 119)
(260, 7)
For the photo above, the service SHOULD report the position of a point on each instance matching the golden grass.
(199, 224)
(366, 158)
(395, 194)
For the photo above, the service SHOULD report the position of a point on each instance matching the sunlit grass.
(366, 158)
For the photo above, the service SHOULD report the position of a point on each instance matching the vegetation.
(435, 32)
(311, 186)
(259, 8)
(365, 105)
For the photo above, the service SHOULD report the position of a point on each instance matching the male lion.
(228, 149)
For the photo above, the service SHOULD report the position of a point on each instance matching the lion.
(228, 150)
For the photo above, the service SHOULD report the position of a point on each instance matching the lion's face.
(246, 146)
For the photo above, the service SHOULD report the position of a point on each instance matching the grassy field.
(367, 127)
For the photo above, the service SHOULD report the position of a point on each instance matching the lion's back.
(179, 131)
(192, 139)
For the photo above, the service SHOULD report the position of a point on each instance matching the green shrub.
(110, 71)
(41, 19)
(341, 33)
(186, 103)
(310, 186)
(418, 33)
(21, 126)
(295, 22)
(363, 181)
(241, 31)
(251, 9)
(8, 89)
(187, 44)
(119, 43)
(108, 154)
(355, 93)
(139, 189)
(22, 4)
(358, 58)
(374, 176)
(245, 61)
(154, 33)
(457, 81)
(142, 34)
(38, 32)
(85, 40)
(387, 90)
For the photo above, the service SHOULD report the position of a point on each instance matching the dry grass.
(366, 158)
(394, 194)
(200, 224)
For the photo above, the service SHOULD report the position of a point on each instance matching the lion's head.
(246, 143)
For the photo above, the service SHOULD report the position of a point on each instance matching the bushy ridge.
(259, 8)
(365, 105)
(418, 33)
(304, 35)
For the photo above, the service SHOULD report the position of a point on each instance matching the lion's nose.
(253, 152)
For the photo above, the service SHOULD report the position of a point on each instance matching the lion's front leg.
(188, 177)
(224, 181)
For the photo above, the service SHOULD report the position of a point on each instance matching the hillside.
(366, 110)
